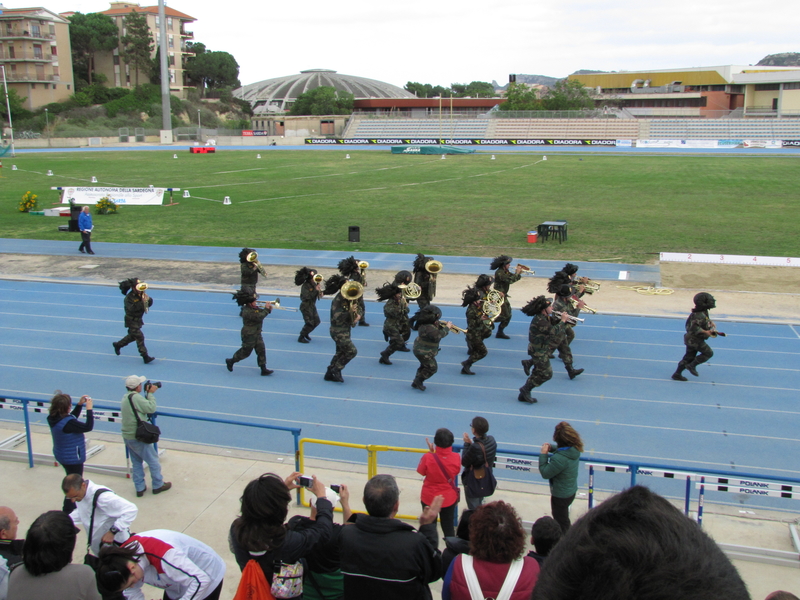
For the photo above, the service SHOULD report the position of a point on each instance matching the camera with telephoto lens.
(149, 383)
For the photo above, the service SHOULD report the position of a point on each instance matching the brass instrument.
(277, 304)
(352, 291)
(525, 270)
(253, 258)
(589, 286)
(714, 332)
(363, 265)
(433, 267)
(574, 302)
(570, 317)
(455, 328)
(493, 304)
(318, 278)
(412, 291)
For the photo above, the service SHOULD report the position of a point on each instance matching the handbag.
(449, 479)
(90, 559)
(146, 432)
(287, 580)
(479, 482)
(253, 585)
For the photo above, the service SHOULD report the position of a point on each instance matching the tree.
(567, 94)
(88, 35)
(137, 44)
(16, 102)
(426, 90)
(212, 70)
(521, 97)
(323, 100)
(473, 90)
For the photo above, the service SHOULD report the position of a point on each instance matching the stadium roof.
(275, 95)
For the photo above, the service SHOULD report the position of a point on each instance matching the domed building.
(277, 95)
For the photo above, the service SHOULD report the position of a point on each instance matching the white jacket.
(111, 511)
(183, 566)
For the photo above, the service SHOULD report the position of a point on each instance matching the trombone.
(253, 258)
(318, 278)
(275, 304)
(352, 291)
(433, 267)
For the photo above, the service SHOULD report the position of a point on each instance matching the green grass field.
(621, 208)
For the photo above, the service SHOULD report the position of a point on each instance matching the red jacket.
(435, 483)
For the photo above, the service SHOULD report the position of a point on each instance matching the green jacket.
(144, 407)
(561, 468)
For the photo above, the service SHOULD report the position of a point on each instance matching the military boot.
(573, 373)
(500, 333)
(417, 384)
(691, 368)
(466, 368)
(384, 360)
(525, 395)
(265, 371)
(678, 374)
(526, 365)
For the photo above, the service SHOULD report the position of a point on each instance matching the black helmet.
(429, 315)
(704, 301)
(535, 306)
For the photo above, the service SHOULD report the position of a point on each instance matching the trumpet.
(570, 317)
(253, 258)
(455, 328)
(590, 286)
(525, 270)
(412, 291)
(433, 266)
(574, 302)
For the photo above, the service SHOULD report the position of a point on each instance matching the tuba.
(253, 258)
(433, 267)
(412, 291)
(352, 291)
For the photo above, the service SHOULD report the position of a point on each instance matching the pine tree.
(137, 44)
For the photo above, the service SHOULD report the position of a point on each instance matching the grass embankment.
(618, 207)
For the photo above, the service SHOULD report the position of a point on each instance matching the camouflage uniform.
(342, 320)
(249, 277)
(253, 320)
(502, 281)
(426, 347)
(562, 304)
(427, 284)
(478, 329)
(396, 329)
(543, 335)
(134, 313)
(309, 294)
(697, 349)
(361, 278)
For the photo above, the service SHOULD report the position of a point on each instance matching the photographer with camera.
(135, 409)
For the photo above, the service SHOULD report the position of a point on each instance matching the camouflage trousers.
(397, 337)
(134, 335)
(311, 318)
(541, 371)
(505, 315)
(697, 351)
(476, 347)
(250, 343)
(427, 362)
(564, 351)
(345, 348)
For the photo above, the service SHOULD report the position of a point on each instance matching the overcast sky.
(451, 41)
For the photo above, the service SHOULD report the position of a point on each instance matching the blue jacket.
(84, 221)
(68, 448)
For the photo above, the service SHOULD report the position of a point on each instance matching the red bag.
(253, 585)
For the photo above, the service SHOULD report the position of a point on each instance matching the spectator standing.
(260, 533)
(385, 558)
(440, 467)
(69, 443)
(545, 533)
(480, 451)
(85, 225)
(185, 568)
(141, 452)
(495, 562)
(108, 515)
(46, 571)
(559, 464)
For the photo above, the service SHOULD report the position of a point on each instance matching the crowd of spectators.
(633, 545)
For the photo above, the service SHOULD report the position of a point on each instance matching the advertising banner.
(91, 195)
(461, 142)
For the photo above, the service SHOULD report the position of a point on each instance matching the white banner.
(730, 259)
(91, 195)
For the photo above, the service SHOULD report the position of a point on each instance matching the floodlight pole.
(47, 126)
(166, 111)
(8, 108)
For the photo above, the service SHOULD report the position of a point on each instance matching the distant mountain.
(590, 72)
(784, 59)
(542, 80)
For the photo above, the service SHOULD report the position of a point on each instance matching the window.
(767, 87)
(171, 42)
(794, 85)
(54, 50)
(35, 31)
(37, 51)
(116, 59)
(169, 22)
(11, 53)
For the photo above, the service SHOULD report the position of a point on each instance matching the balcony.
(30, 78)
(25, 34)
(19, 56)
(187, 34)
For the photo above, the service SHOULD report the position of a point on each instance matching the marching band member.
(503, 278)
(345, 313)
(563, 303)
(425, 280)
(396, 329)
(350, 269)
(479, 328)
(699, 327)
(249, 270)
(544, 333)
(252, 321)
(137, 303)
(310, 292)
(426, 346)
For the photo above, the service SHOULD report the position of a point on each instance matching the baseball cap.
(133, 381)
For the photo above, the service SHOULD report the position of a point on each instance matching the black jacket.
(387, 559)
(472, 454)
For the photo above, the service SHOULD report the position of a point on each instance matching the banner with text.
(461, 142)
(92, 195)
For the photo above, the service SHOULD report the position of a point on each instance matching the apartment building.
(122, 75)
(36, 55)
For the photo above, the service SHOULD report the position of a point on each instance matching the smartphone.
(336, 488)
(305, 481)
